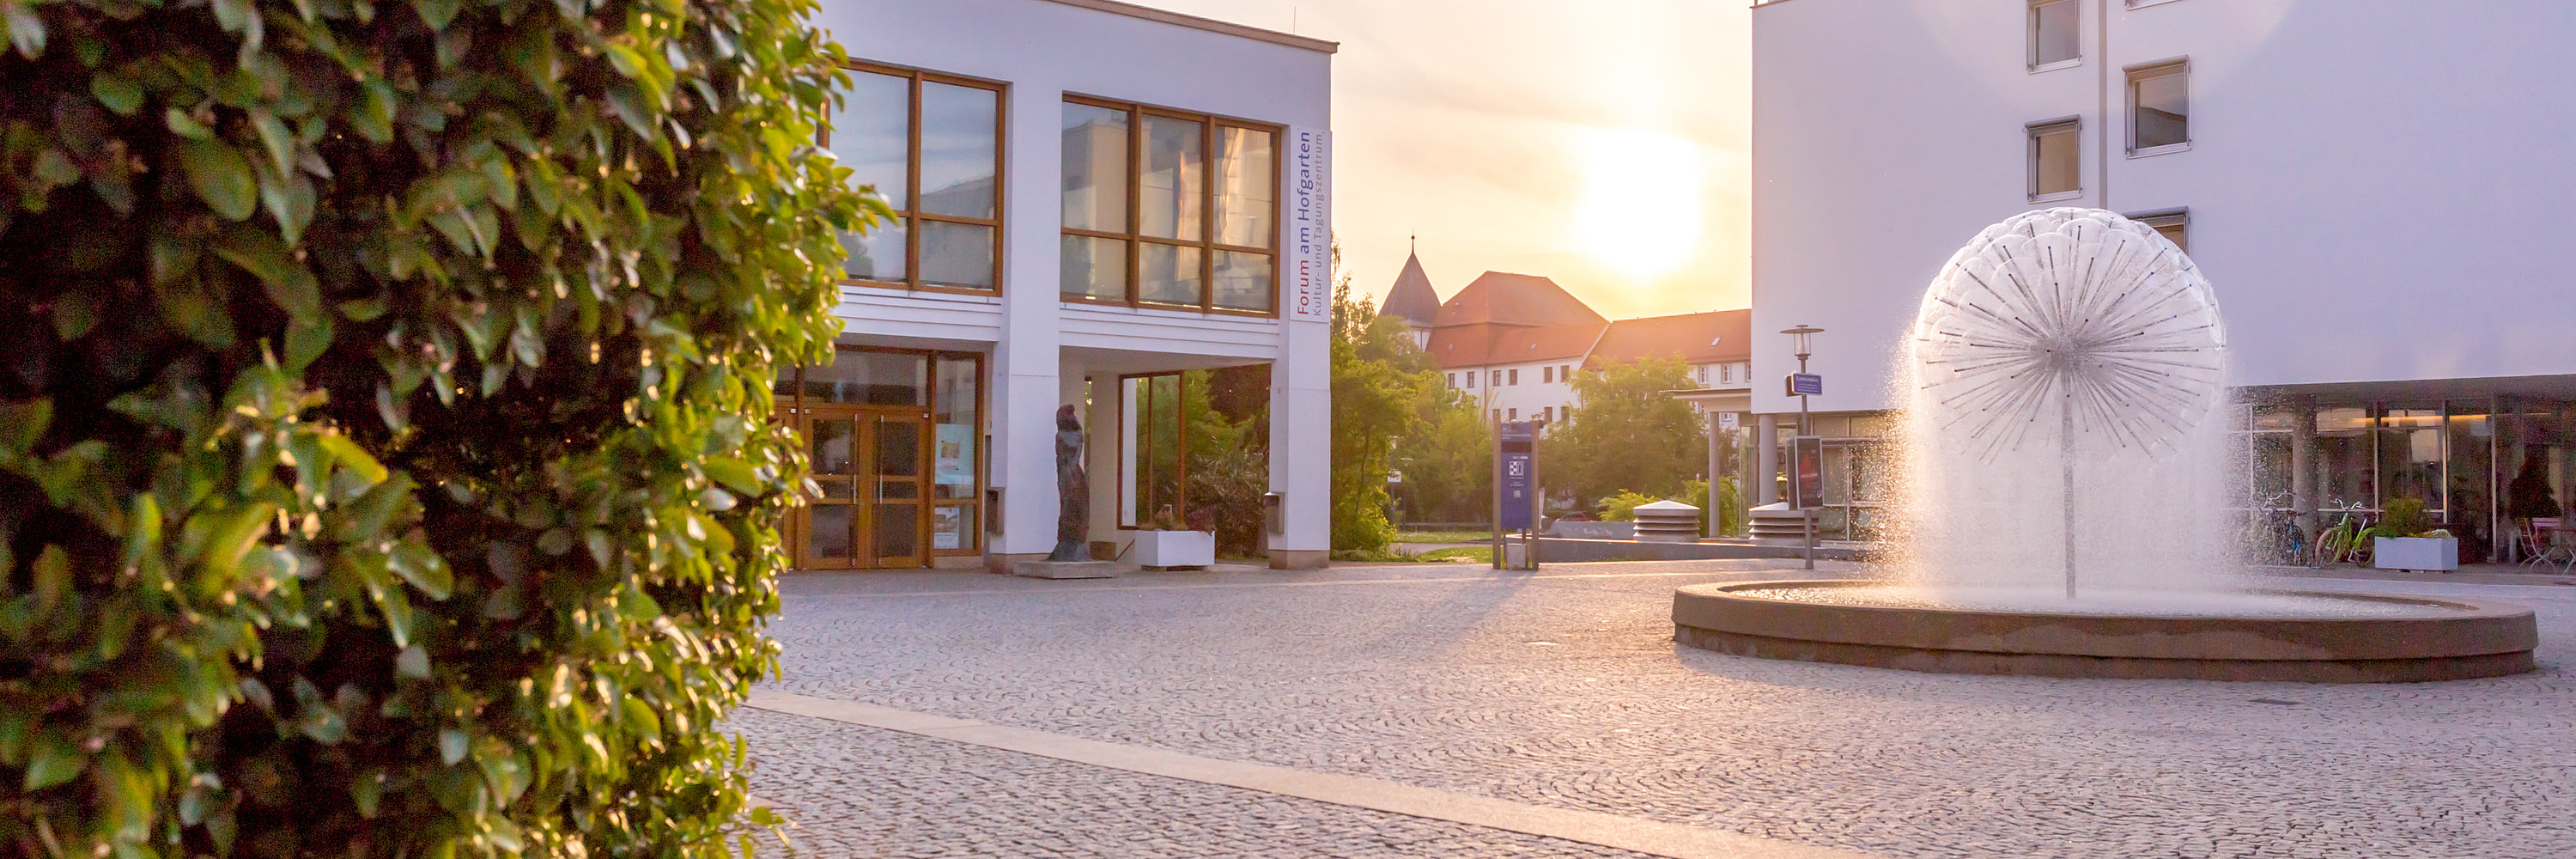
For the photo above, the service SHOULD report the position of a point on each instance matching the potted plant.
(1164, 545)
(2403, 543)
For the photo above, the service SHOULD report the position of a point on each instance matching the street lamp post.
(1799, 342)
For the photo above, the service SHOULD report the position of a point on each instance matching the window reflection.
(957, 150)
(1095, 169)
(1246, 182)
(942, 232)
(2160, 108)
(1170, 196)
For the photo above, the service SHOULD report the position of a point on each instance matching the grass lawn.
(1443, 536)
(1478, 554)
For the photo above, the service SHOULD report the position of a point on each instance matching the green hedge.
(384, 463)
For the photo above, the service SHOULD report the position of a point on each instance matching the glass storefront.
(2459, 457)
(894, 439)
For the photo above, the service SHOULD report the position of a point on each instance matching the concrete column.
(1026, 385)
(1102, 461)
(2303, 472)
(1716, 469)
(1766, 461)
(1301, 443)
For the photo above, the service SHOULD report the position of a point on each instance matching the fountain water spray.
(2085, 332)
(2079, 315)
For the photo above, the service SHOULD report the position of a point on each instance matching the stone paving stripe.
(1497, 578)
(1607, 830)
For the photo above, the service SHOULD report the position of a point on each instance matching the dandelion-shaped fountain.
(2067, 370)
(2084, 316)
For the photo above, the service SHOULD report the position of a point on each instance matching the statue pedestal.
(1066, 569)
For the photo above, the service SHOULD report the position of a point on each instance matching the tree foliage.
(1372, 406)
(1629, 435)
(384, 458)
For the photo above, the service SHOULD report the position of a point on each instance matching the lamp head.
(1798, 337)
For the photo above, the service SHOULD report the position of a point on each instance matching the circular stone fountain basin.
(2291, 636)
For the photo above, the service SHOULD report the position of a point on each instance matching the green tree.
(1448, 462)
(385, 463)
(1628, 435)
(1372, 406)
(1228, 454)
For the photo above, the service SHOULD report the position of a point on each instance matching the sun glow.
(1641, 208)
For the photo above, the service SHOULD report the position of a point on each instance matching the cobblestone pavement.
(1565, 689)
(858, 791)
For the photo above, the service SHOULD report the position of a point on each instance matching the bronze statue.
(1073, 491)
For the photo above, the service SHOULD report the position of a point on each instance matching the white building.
(2376, 187)
(1092, 193)
(1515, 341)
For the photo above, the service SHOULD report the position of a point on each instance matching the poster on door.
(953, 460)
(948, 528)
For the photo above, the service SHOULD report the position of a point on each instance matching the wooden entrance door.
(872, 467)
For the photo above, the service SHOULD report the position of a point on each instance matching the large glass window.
(1152, 451)
(1168, 209)
(2159, 108)
(2056, 160)
(2056, 33)
(930, 145)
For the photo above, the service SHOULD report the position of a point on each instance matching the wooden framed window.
(931, 145)
(1169, 209)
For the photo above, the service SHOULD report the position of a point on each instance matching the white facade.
(1544, 391)
(1038, 348)
(1525, 392)
(2376, 187)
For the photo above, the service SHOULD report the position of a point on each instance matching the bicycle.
(2347, 541)
(2277, 538)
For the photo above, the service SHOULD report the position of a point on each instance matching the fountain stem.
(2066, 463)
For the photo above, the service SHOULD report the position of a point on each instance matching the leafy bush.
(1717, 516)
(384, 458)
(1621, 506)
(2403, 517)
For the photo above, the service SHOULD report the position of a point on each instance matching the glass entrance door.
(896, 512)
(872, 510)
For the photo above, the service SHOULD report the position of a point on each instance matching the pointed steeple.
(1412, 297)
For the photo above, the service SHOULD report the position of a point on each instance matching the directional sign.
(1806, 385)
(1519, 439)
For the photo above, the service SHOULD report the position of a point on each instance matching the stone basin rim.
(2448, 639)
(2444, 607)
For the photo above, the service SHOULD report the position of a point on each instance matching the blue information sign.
(1519, 440)
(1806, 385)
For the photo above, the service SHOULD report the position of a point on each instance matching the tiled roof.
(1481, 344)
(1412, 298)
(1515, 299)
(1698, 338)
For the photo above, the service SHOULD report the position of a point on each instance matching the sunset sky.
(1603, 145)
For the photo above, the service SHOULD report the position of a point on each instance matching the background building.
(1514, 341)
(2376, 187)
(1092, 197)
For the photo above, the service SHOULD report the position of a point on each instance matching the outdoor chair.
(2550, 543)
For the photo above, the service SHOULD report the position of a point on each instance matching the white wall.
(1530, 396)
(2376, 186)
(1044, 50)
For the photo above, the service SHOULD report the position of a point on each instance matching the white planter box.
(1165, 550)
(2415, 553)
